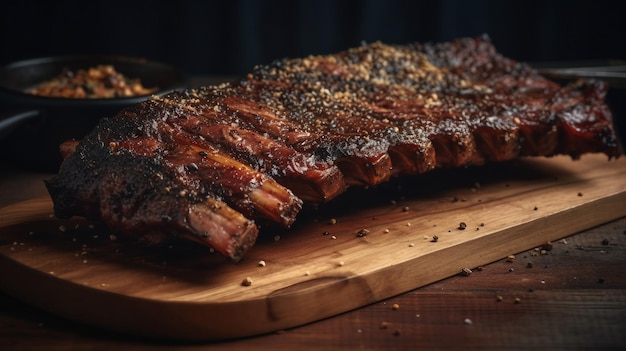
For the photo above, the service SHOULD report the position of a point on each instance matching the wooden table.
(573, 297)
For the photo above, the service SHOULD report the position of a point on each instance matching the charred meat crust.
(203, 164)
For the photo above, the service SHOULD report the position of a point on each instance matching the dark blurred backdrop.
(229, 37)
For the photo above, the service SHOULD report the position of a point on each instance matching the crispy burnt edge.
(141, 198)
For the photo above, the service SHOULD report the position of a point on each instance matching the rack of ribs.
(209, 164)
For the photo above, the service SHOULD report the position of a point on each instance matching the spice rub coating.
(210, 164)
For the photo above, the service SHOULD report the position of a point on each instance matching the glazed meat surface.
(209, 164)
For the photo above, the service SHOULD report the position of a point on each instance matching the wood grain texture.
(182, 292)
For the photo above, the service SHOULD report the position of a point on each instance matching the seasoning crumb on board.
(362, 232)
(261, 263)
(466, 272)
(467, 321)
(395, 306)
(247, 281)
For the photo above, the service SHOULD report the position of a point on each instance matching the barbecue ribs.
(207, 164)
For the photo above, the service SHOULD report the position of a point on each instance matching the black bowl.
(32, 127)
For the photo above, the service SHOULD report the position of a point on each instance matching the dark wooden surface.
(573, 297)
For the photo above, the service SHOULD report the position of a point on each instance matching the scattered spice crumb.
(529, 265)
(511, 270)
(547, 246)
(395, 306)
(535, 208)
(411, 244)
(261, 263)
(467, 321)
(466, 272)
(386, 231)
(307, 273)
(341, 263)
(247, 281)
(479, 268)
(408, 224)
(405, 209)
(605, 242)
(62, 228)
(510, 258)
(333, 221)
(517, 300)
(499, 298)
(362, 232)
(435, 238)
(580, 194)
(333, 237)
(325, 232)
(482, 224)
(462, 226)
(277, 237)
(384, 325)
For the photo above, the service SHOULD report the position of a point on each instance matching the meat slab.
(210, 164)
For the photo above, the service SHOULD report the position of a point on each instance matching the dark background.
(229, 37)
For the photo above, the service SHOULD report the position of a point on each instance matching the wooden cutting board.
(319, 268)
